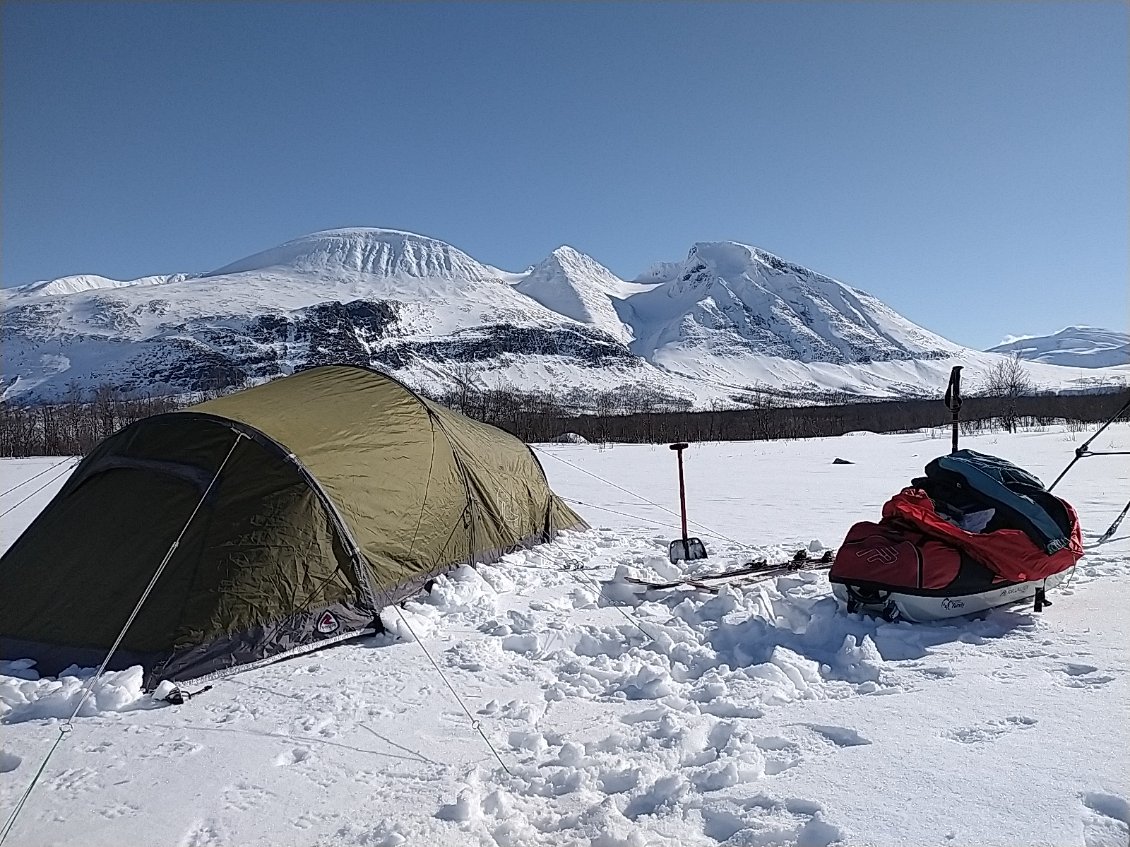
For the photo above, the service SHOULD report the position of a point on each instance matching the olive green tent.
(290, 515)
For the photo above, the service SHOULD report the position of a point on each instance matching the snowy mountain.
(1072, 347)
(575, 285)
(705, 330)
(86, 282)
(385, 253)
(733, 307)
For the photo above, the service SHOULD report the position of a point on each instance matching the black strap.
(953, 390)
(177, 697)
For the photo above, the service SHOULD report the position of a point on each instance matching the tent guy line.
(634, 494)
(475, 723)
(15, 506)
(88, 686)
(22, 483)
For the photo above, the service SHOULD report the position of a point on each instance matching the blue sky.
(965, 162)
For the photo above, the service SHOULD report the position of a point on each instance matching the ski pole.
(953, 401)
(1082, 450)
(1109, 534)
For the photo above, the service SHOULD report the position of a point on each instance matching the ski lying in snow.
(755, 571)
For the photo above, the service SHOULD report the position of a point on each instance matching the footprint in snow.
(989, 730)
(9, 761)
(119, 810)
(245, 795)
(174, 749)
(204, 834)
(1106, 820)
(780, 754)
(74, 781)
(1083, 676)
(940, 672)
(841, 736)
(764, 820)
(292, 757)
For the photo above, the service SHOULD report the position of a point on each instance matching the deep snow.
(763, 715)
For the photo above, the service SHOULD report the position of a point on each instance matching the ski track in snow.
(758, 715)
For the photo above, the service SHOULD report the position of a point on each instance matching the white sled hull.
(918, 609)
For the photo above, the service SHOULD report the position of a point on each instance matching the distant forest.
(76, 426)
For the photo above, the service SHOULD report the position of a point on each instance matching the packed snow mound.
(362, 250)
(86, 282)
(25, 696)
(734, 299)
(1073, 347)
(577, 286)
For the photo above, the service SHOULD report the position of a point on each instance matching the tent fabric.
(344, 492)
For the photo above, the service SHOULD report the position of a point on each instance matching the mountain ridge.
(1072, 346)
(728, 319)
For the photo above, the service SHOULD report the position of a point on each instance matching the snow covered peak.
(1073, 346)
(733, 300)
(577, 286)
(727, 258)
(566, 254)
(65, 285)
(731, 259)
(567, 263)
(381, 252)
(724, 258)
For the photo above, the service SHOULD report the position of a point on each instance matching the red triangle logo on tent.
(327, 623)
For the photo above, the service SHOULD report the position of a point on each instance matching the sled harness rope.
(88, 686)
(475, 723)
(637, 496)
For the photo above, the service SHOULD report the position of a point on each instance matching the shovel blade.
(686, 549)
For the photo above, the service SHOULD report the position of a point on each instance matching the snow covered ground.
(763, 715)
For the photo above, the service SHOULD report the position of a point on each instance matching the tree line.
(642, 415)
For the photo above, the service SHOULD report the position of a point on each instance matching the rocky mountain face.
(729, 319)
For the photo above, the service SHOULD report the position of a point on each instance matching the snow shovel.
(684, 549)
